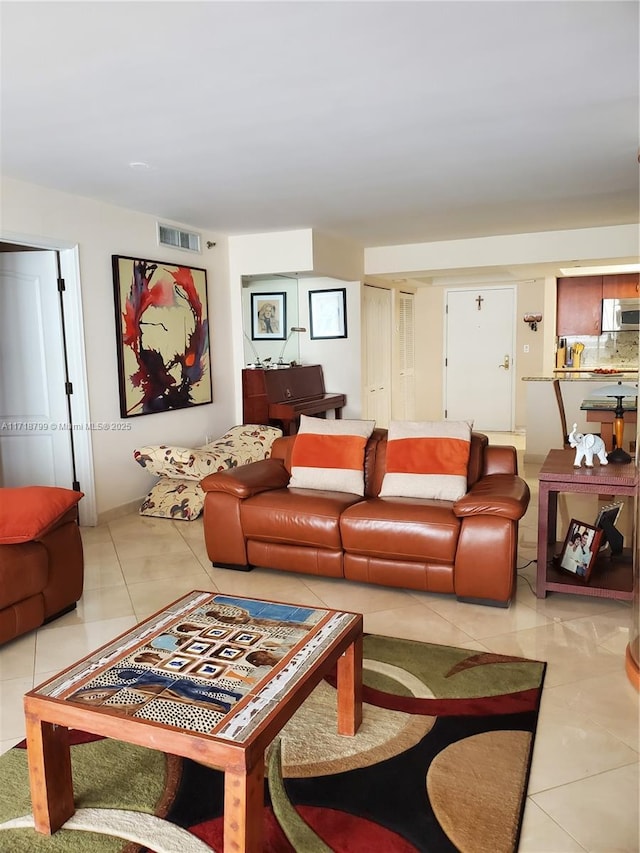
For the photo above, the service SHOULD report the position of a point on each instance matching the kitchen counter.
(569, 375)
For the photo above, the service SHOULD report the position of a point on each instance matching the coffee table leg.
(244, 809)
(350, 689)
(50, 778)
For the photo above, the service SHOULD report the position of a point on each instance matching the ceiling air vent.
(178, 239)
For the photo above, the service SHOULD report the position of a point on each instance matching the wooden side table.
(612, 577)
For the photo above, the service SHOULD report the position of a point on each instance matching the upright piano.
(279, 396)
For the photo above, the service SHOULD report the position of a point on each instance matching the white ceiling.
(381, 122)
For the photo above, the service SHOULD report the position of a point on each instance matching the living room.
(133, 566)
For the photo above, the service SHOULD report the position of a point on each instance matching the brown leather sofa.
(41, 579)
(467, 547)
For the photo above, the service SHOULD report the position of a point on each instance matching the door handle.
(505, 363)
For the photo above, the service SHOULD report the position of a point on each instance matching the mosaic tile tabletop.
(208, 663)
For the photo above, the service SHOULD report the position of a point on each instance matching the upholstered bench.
(41, 560)
(178, 494)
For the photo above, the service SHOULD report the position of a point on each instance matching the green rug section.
(300, 835)
(450, 673)
(141, 773)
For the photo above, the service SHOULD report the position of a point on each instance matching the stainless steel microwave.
(620, 315)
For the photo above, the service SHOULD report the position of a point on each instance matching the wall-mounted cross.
(479, 300)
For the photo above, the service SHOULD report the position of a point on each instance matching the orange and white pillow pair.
(424, 459)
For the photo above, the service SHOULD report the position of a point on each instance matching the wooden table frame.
(558, 475)
(606, 419)
(48, 750)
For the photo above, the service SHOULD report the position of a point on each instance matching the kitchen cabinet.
(579, 305)
(621, 286)
(579, 300)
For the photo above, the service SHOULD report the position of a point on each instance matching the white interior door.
(35, 447)
(376, 335)
(479, 370)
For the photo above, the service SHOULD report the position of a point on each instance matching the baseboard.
(119, 511)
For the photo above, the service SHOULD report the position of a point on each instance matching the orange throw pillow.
(427, 460)
(28, 512)
(329, 455)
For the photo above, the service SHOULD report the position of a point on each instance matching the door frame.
(76, 356)
(478, 286)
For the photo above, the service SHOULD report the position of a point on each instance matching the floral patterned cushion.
(173, 498)
(178, 494)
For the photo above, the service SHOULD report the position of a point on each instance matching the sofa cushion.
(401, 529)
(28, 512)
(427, 460)
(329, 455)
(306, 517)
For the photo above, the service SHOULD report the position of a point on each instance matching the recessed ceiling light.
(139, 164)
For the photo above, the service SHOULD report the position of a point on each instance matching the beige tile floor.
(584, 785)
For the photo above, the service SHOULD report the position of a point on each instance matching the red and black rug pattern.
(440, 763)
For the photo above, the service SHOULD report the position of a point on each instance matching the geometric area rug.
(440, 764)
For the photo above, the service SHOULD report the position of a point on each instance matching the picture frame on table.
(328, 314)
(162, 335)
(606, 520)
(268, 316)
(580, 549)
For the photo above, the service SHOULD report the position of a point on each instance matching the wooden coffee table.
(211, 677)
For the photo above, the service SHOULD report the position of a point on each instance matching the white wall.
(531, 296)
(340, 357)
(36, 214)
(617, 242)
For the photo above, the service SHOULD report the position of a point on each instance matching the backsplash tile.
(611, 349)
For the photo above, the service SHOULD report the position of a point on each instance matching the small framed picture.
(328, 313)
(608, 514)
(268, 316)
(611, 536)
(580, 549)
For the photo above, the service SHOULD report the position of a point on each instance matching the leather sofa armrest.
(247, 480)
(505, 495)
(500, 459)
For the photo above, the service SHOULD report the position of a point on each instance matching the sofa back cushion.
(428, 459)
(329, 455)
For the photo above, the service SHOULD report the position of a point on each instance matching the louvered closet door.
(405, 401)
(376, 332)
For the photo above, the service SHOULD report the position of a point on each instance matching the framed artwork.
(611, 536)
(162, 336)
(268, 316)
(580, 549)
(608, 514)
(328, 313)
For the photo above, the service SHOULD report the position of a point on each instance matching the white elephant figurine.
(587, 446)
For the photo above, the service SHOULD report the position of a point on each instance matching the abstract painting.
(162, 332)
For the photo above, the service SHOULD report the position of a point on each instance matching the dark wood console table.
(612, 577)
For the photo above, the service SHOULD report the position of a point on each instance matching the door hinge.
(446, 362)
(445, 414)
(61, 286)
(68, 388)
